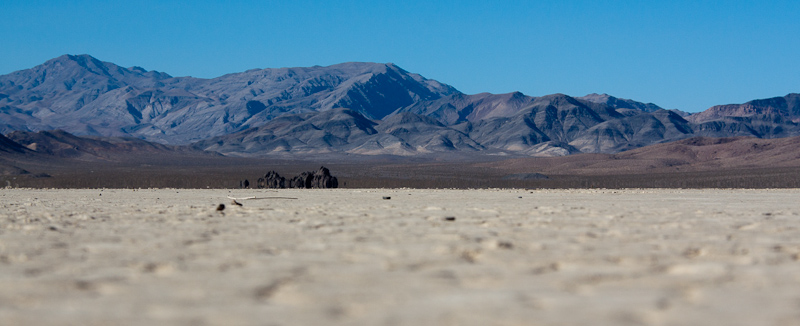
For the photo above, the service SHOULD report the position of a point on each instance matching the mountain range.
(86, 96)
(353, 108)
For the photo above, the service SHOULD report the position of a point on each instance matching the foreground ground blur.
(399, 257)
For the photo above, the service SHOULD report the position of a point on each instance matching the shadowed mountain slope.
(9, 146)
(459, 108)
(313, 132)
(9, 152)
(61, 144)
(341, 131)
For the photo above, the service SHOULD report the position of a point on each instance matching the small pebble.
(450, 218)
(387, 197)
(234, 202)
(221, 207)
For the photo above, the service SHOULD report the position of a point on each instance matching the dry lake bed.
(400, 257)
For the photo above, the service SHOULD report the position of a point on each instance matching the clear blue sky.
(678, 54)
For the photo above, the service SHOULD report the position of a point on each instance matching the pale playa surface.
(349, 257)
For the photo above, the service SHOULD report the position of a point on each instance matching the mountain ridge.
(354, 108)
(551, 125)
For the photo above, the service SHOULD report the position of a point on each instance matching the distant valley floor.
(699, 162)
(568, 172)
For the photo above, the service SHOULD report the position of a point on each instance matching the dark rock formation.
(322, 178)
(272, 180)
(302, 181)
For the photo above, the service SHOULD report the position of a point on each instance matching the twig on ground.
(242, 198)
(254, 197)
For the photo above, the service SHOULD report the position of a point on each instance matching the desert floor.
(421, 257)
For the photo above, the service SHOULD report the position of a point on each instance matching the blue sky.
(686, 55)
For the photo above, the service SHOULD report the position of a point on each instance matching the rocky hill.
(786, 108)
(10, 146)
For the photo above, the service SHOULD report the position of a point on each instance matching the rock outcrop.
(320, 179)
(323, 179)
(271, 180)
(301, 181)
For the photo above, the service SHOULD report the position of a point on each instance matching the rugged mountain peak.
(558, 99)
(594, 97)
(382, 92)
(620, 103)
(70, 81)
(513, 97)
(81, 66)
(83, 60)
(562, 102)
